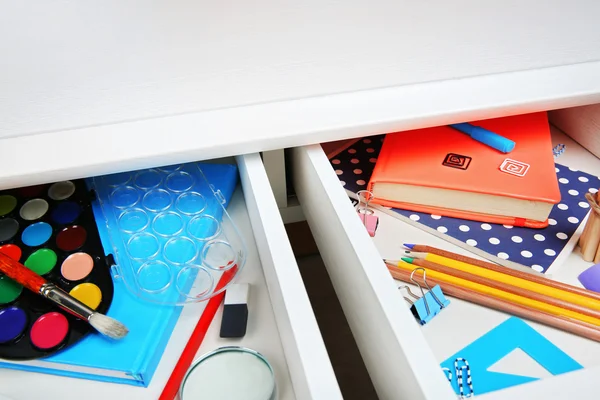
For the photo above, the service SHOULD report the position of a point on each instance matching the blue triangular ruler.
(490, 348)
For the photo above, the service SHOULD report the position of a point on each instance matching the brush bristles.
(108, 326)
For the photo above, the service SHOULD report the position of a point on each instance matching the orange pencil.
(556, 321)
(508, 271)
(504, 286)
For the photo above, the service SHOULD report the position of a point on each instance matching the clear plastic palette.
(170, 230)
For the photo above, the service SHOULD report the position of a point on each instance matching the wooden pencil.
(507, 287)
(589, 242)
(498, 268)
(568, 325)
(586, 232)
(512, 280)
(501, 294)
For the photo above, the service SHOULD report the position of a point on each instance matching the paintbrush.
(37, 284)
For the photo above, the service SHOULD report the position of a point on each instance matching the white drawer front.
(309, 366)
(395, 353)
(308, 363)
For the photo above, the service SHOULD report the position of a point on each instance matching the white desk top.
(94, 87)
(262, 335)
(450, 330)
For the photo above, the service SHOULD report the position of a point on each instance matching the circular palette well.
(13, 321)
(51, 230)
(171, 233)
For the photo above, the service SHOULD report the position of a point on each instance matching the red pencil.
(191, 348)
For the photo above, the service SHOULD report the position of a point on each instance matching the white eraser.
(237, 293)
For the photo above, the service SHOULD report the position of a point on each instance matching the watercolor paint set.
(158, 238)
(50, 229)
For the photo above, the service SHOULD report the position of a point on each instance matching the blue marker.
(482, 135)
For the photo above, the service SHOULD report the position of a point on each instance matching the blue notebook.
(536, 248)
(134, 359)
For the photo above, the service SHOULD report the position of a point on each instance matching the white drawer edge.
(174, 139)
(308, 362)
(399, 361)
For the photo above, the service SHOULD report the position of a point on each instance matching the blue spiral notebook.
(536, 248)
(134, 359)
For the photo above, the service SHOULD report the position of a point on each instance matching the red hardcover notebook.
(445, 172)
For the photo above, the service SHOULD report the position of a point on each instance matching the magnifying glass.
(227, 373)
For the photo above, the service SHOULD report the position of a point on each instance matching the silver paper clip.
(429, 305)
(369, 220)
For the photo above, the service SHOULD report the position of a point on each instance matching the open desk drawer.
(310, 370)
(281, 323)
(398, 353)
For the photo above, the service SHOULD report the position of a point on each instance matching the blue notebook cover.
(134, 359)
(536, 248)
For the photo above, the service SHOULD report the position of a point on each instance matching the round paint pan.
(227, 373)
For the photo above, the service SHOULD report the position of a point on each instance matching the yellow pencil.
(500, 294)
(511, 280)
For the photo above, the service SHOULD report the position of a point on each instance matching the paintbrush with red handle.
(37, 284)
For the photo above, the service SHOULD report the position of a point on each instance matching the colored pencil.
(488, 265)
(519, 268)
(510, 297)
(172, 386)
(545, 286)
(504, 286)
(556, 321)
(590, 238)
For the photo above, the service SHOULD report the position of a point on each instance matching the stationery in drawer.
(159, 237)
(504, 244)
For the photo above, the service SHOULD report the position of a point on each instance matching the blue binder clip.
(430, 304)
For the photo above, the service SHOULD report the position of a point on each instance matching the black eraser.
(235, 311)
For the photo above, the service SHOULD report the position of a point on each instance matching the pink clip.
(369, 220)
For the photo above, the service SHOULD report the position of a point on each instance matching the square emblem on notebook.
(456, 161)
(514, 167)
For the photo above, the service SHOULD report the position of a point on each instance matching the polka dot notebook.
(537, 248)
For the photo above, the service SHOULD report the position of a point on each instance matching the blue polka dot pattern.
(537, 248)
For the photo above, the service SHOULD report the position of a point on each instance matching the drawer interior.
(331, 214)
(281, 324)
(393, 349)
